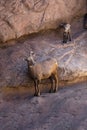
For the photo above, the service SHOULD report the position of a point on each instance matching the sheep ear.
(32, 54)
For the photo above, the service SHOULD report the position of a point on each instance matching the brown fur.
(43, 70)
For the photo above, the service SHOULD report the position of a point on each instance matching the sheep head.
(30, 59)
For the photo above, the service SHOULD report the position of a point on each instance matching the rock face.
(71, 57)
(22, 17)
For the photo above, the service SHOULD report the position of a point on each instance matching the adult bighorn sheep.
(43, 70)
(85, 21)
(66, 32)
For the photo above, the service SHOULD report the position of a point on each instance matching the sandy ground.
(64, 110)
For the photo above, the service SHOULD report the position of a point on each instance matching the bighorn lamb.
(43, 70)
(66, 32)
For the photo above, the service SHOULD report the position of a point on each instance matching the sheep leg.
(65, 37)
(56, 83)
(51, 89)
(38, 90)
(36, 87)
(69, 36)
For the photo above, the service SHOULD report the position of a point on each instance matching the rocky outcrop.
(22, 17)
(71, 57)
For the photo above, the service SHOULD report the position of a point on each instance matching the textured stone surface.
(71, 57)
(21, 17)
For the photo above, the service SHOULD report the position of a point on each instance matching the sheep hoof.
(55, 90)
(50, 91)
(37, 94)
(64, 42)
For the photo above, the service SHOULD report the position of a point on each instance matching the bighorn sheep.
(43, 70)
(66, 32)
(85, 21)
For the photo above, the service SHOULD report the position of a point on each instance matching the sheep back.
(44, 69)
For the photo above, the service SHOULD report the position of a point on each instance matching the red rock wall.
(21, 17)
